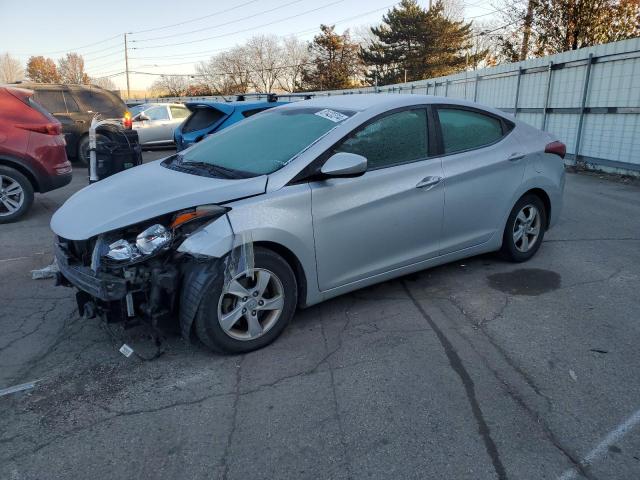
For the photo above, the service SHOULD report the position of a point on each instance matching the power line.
(66, 50)
(243, 30)
(194, 19)
(220, 24)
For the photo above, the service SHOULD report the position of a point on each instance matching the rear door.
(483, 167)
(388, 218)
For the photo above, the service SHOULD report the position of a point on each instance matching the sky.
(172, 36)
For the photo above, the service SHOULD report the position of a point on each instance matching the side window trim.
(506, 125)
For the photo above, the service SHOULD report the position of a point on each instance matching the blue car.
(209, 117)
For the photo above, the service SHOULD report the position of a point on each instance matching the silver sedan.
(305, 202)
(156, 122)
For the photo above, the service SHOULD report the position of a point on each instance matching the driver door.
(388, 218)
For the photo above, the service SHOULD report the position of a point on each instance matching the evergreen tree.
(418, 43)
(334, 61)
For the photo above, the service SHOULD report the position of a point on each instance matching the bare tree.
(296, 54)
(227, 72)
(171, 85)
(10, 69)
(265, 61)
(104, 82)
(71, 69)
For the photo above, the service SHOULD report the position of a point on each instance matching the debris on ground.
(46, 272)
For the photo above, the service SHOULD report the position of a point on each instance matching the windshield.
(265, 143)
(138, 108)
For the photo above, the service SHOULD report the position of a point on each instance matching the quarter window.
(179, 112)
(465, 129)
(397, 138)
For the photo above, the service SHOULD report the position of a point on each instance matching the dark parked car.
(32, 152)
(75, 106)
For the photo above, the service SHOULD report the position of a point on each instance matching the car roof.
(361, 102)
(243, 104)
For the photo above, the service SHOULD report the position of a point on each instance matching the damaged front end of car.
(135, 273)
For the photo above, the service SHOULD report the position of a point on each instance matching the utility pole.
(126, 65)
(430, 4)
(528, 20)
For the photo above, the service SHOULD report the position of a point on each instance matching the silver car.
(302, 203)
(156, 122)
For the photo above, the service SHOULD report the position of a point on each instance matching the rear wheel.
(525, 229)
(250, 310)
(16, 194)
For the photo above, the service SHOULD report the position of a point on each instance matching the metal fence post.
(446, 88)
(548, 94)
(515, 103)
(475, 89)
(583, 104)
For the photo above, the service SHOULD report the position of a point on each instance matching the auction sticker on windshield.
(332, 115)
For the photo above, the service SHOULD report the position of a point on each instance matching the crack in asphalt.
(534, 415)
(336, 406)
(234, 420)
(458, 367)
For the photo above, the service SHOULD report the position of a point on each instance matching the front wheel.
(251, 309)
(525, 229)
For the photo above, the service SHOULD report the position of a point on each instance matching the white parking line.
(600, 449)
(18, 388)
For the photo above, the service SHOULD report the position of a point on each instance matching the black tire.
(207, 326)
(509, 250)
(82, 156)
(27, 194)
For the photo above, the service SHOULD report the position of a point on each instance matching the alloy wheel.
(526, 228)
(251, 304)
(11, 196)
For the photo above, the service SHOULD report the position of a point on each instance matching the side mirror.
(343, 164)
(141, 117)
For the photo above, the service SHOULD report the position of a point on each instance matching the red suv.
(32, 152)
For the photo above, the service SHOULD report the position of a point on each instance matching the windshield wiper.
(216, 170)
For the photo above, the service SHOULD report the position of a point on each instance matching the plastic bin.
(117, 149)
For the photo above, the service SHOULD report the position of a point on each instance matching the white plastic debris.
(573, 375)
(46, 272)
(126, 350)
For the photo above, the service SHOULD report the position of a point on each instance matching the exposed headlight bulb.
(153, 239)
(122, 250)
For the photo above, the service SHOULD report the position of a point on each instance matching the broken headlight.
(155, 238)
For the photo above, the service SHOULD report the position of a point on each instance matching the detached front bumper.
(108, 288)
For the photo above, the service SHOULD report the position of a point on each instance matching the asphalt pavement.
(480, 369)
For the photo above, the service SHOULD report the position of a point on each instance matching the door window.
(253, 111)
(179, 112)
(72, 105)
(394, 139)
(51, 100)
(157, 113)
(466, 129)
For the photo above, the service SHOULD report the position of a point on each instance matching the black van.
(75, 106)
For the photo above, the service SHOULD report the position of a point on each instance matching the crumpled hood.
(142, 193)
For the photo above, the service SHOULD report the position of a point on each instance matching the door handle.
(516, 156)
(429, 182)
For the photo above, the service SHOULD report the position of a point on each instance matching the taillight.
(557, 148)
(126, 120)
(46, 128)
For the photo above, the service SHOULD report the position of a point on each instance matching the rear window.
(466, 130)
(51, 100)
(202, 117)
